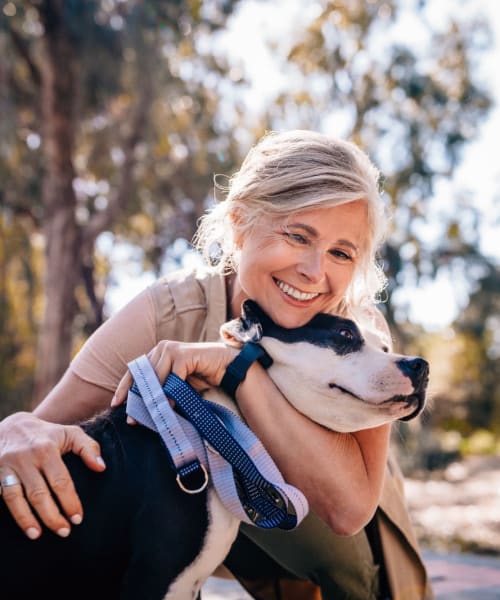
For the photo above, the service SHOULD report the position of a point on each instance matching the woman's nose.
(312, 266)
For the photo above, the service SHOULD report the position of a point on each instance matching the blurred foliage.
(110, 120)
(157, 110)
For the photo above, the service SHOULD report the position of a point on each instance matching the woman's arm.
(341, 474)
(73, 400)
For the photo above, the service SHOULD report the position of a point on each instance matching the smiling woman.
(297, 233)
(304, 171)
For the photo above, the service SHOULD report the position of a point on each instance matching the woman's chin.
(291, 321)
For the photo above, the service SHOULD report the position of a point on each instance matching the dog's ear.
(252, 313)
(248, 328)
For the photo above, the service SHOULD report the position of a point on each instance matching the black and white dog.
(144, 538)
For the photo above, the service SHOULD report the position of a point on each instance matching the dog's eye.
(346, 333)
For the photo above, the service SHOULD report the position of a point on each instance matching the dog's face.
(332, 373)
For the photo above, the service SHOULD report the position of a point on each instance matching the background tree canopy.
(115, 115)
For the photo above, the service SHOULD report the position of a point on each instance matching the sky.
(434, 305)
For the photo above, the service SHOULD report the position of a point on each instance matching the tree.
(116, 106)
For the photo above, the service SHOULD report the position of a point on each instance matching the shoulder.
(189, 295)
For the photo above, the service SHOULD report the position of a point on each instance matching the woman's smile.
(301, 264)
(294, 293)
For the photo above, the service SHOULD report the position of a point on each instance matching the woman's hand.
(200, 364)
(31, 449)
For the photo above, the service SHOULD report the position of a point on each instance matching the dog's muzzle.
(417, 370)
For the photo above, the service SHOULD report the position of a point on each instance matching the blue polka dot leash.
(208, 442)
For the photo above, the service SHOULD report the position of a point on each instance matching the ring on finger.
(9, 480)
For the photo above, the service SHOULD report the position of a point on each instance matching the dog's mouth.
(335, 386)
(416, 401)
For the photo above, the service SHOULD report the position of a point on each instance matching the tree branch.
(23, 51)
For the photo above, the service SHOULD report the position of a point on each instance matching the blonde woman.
(297, 232)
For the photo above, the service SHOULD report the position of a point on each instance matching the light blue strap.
(152, 410)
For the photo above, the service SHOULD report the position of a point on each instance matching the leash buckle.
(183, 480)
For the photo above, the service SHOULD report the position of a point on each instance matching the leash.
(209, 437)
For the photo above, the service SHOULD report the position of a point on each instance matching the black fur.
(323, 330)
(138, 533)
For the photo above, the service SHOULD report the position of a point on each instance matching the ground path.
(453, 576)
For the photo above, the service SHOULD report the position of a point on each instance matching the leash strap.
(248, 482)
(265, 503)
(147, 405)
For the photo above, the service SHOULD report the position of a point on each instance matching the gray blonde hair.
(294, 171)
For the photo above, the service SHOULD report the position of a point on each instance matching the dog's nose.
(417, 369)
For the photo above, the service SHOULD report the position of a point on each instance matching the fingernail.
(76, 519)
(114, 401)
(63, 532)
(100, 461)
(32, 533)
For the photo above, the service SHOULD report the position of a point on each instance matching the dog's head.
(332, 373)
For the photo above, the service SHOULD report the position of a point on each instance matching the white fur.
(304, 372)
(221, 533)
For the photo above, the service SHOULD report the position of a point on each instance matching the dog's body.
(142, 537)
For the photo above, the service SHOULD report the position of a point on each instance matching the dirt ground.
(458, 509)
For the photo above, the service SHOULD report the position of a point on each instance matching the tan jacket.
(192, 307)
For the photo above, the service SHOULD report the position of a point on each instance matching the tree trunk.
(61, 232)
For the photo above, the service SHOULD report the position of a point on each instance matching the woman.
(297, 232)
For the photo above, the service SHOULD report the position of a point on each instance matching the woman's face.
(300, 265)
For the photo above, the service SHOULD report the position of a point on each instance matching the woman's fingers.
(78, 442)
(201, 363)
(160, 359)
(60, 482)
(32, 451)
(35, 494)
(122, 390)
(13, 496)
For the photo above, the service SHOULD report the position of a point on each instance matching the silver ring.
(9, 480)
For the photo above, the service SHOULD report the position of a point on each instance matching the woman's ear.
(237, 223)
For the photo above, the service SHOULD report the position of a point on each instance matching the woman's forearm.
(341, 474)
(73, 400)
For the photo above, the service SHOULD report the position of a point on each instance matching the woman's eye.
(296, 237)
(340, 254)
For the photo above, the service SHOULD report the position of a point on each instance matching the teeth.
(297, 294)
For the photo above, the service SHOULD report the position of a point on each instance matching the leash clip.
(186, 476)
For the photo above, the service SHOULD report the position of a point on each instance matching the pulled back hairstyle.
(294, 171)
